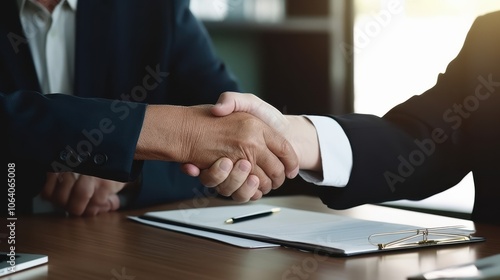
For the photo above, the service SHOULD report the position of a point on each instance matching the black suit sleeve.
(430, 142)
(53, 133)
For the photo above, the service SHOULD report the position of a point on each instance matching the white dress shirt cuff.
(335, 151)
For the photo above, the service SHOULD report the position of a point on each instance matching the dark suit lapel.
(93, 32)
(16, 63)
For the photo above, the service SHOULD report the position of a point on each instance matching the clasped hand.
(82, 194)
(262, 156)
(236, 180)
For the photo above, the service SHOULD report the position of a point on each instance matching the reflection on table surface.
(111, 247)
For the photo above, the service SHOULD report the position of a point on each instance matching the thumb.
(230, 102)
(226, 104)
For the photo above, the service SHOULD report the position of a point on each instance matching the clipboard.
(312, 231)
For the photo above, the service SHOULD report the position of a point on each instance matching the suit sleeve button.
(83, 157)
(100, 159)
(64, 154)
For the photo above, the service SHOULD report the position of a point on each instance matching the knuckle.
(252, 123)
(285, 147)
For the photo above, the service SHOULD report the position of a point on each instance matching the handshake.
(263, 146)
(241, 146)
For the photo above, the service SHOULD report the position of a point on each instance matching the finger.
(236, 178)
(276, 159)
(91, 211)
(217, 173)
(50, 185)
(272, 169)
(104, 191)
(284, 151)
(226, 104)
(266, 165)
(105, 197)
(265, 183)
(247, 190)
(258, 195)
(62, 191)
(112, 204)
(190, 169)
(83, 190)
(230, 102)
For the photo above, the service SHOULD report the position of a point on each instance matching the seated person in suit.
(419, 148)
(152, 52)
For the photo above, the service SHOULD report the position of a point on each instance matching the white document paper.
(314, 231)
(236, 241)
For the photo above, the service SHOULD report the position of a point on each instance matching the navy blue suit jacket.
(430, 142)
(151, 52)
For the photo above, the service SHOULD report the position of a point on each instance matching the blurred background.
(342, 56)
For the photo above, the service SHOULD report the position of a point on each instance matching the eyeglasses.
(421, 237)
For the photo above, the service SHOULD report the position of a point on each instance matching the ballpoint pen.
(252, 216)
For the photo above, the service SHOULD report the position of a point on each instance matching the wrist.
(160, 137)
(304, 140)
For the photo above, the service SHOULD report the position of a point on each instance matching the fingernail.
(252, 182)
(225, 166)
(244, 166)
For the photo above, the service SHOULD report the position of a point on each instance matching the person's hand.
(241, 136)
(298, 130)
(81, 194)
(302, 137)
(228, 179)
(236, 181)
(200, 138)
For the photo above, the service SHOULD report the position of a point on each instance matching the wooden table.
(111, 247)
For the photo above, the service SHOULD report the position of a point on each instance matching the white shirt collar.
(71, 3)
